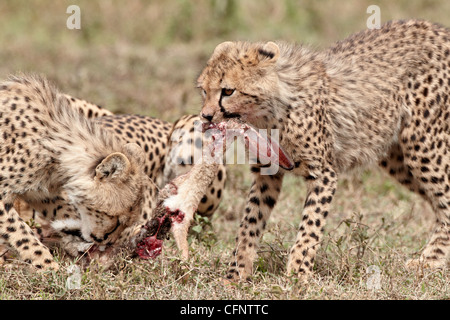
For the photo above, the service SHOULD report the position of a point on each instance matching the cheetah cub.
(377, 97)
(47, 148)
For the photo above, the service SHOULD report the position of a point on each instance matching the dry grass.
(374, 224)
(143, 57)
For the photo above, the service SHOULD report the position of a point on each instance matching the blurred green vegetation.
(143, 56)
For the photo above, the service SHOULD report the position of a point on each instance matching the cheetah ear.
(222, 47)
(269, 52)
(115, 166)
(134, 152)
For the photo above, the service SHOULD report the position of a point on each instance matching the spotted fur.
(59, 218)
(48, 148)
(378, 97)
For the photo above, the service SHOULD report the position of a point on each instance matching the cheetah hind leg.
(437, 251)
(434, 185)
(436, 254)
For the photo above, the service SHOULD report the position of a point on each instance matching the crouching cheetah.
(48, 148)
(31, 104)
(379, 96)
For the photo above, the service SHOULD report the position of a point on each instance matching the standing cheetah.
(379, 96)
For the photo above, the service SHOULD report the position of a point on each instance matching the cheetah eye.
(227, 92)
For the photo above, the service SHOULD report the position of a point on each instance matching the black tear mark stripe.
(227, 114)
(106, 234)
(72, 232)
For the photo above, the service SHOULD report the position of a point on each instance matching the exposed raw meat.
(158, 228)
(151, 246)
(267, 150)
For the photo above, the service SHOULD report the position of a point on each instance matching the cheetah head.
(111, 199)
(240, 86)
(240, 81)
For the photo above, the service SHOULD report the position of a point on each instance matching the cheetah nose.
(208, 117)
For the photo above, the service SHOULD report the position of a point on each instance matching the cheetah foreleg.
(320, 192)
(17, 234)
(261, 200)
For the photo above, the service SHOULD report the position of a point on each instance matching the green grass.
(143, 57)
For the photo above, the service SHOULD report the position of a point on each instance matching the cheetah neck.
(77, 145)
